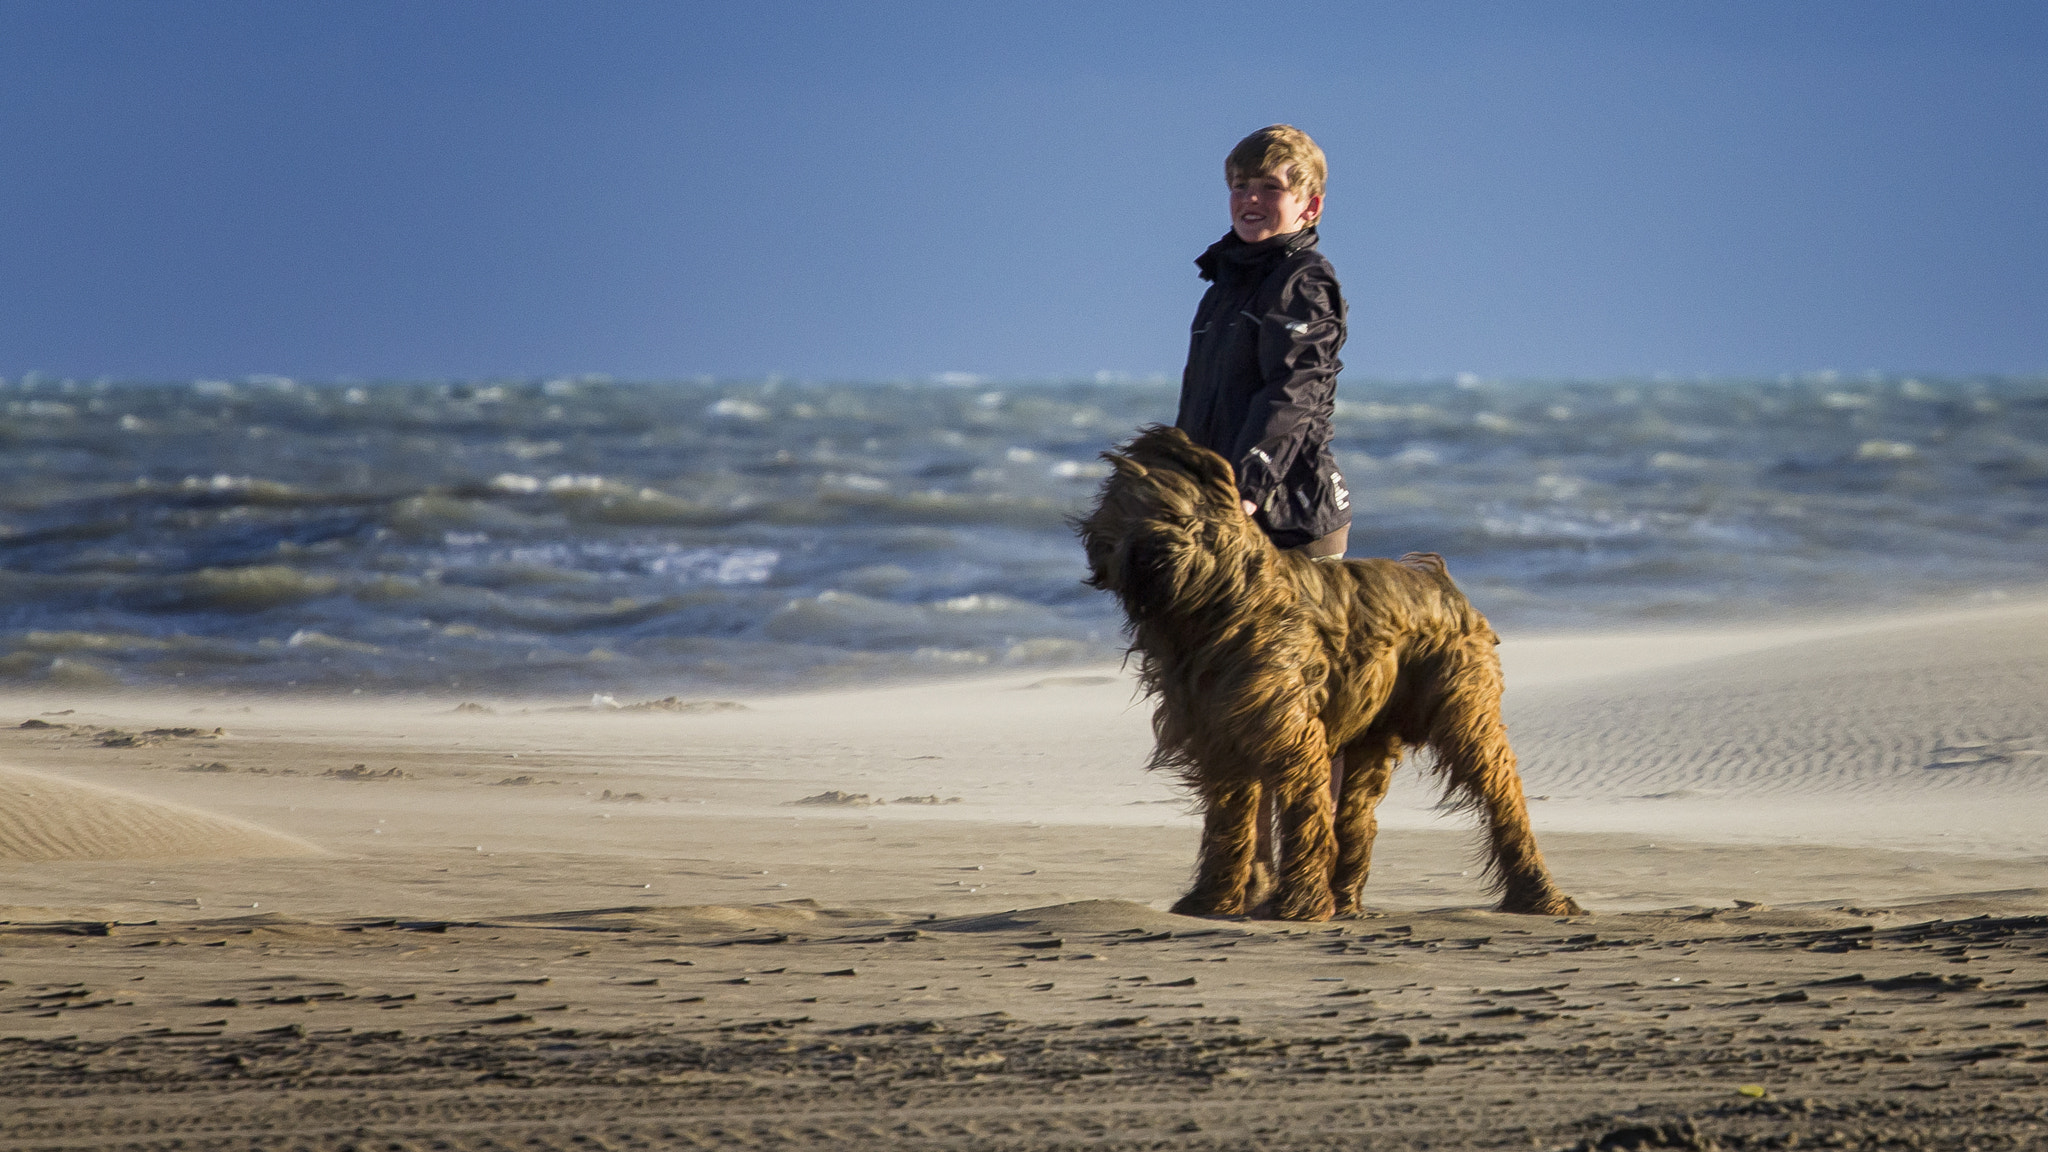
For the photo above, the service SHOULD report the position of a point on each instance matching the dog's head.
(1167, 523)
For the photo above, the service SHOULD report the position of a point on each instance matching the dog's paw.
(1552, 903)
(1203, 904)
(1315, 906)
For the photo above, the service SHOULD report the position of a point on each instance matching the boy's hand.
(1249, 507)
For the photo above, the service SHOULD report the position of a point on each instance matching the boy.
(1261, 377)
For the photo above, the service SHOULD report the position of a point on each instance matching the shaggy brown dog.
(1266, 663)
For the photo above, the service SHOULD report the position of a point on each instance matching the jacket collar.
(1236, 255)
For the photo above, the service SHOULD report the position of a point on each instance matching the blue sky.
(651, 190)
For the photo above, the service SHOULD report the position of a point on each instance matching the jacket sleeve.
(1299, 339)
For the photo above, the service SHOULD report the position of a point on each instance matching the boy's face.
(1262, 207)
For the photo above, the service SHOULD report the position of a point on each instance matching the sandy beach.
(931, 917)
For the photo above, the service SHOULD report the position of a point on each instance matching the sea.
(597, 539)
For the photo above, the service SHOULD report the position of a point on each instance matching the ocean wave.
(848, 619)
(567, 533)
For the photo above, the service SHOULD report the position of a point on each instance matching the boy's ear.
(1314, 212)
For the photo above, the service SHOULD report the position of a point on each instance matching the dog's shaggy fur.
(1267, 663)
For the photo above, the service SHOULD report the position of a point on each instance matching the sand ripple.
(44, 818)
(1923, 707)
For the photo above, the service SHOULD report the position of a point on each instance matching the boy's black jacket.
(1261, 379)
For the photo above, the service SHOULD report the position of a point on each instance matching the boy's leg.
(1329, 547)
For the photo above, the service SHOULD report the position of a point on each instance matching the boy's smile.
(1262, 207)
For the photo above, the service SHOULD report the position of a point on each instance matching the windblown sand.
(48, 818)
(1813, 859)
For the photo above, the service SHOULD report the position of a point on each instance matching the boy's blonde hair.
(1272, 148)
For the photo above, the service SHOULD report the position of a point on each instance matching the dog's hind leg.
(1472, 747)
(1368, 769)
(1230, 838)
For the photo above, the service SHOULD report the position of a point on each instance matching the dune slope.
(44, 818)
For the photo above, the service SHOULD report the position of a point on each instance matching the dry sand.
(397, 925)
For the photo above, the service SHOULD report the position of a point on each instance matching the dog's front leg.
(1230, 839)
(1258, 893)
(1308, 847)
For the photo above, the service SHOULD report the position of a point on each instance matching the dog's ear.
(1126, 469)
(1162, 446)
(1209, 468)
